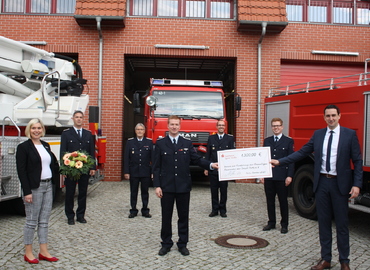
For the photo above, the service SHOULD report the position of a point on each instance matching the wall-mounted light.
(35, 42)
(191, 47)
(336, 53)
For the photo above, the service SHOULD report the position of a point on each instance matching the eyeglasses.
(275, 126)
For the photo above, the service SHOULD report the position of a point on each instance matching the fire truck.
(301, 107)
(34, 83)
(199, 104)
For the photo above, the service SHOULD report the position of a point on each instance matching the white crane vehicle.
(34, 83)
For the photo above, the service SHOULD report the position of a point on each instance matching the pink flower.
(66, 161)
(79, 164)
(66, 156)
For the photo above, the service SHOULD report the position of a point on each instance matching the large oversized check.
(244, 163)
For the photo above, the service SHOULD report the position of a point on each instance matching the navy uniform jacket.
(29, 165)
(171, 168)
(283, 148)
(348, 149)
(70, 142)
(138, 157)
(214, 144)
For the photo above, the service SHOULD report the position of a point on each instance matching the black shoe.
(268, 227)
(223, 215)
(163, 251)
(131, 215)
(147, 215)
(213, 214)
(71, 221)
(82, 220)
(284, 230)
(184, 251)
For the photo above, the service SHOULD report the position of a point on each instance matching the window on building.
(329, 11)
(223, 9)
(39, 6)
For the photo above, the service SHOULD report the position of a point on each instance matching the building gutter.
(100, 67)
(259, 79)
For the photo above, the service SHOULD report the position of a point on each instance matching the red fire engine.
(198, 103)
(301, 107)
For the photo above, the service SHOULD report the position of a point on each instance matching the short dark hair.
(331, 106)
(78, 111)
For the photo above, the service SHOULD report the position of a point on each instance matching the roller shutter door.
(294, 73)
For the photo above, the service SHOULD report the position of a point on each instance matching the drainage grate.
(241, 241)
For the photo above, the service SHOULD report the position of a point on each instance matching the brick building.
(250, 45)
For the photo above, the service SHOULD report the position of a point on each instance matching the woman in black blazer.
(37, 170)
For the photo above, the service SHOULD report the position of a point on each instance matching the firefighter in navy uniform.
(138, 169)
(76, 139)
(217, 142)
(280, 146)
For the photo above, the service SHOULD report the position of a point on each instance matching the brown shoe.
(344, 266)
(321, 265)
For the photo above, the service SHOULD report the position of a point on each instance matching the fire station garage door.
(294, 73)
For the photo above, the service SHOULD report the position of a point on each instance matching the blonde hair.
(31, 123)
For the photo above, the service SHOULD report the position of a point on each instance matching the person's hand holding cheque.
(274, 162)
(215, 165)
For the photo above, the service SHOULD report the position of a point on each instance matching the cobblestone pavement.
(110, 240)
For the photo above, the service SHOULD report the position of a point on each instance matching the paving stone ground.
(110, 240)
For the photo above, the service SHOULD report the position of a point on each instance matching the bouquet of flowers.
(76, 163)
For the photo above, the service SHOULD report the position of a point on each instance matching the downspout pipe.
(100, 67)
(259, 79)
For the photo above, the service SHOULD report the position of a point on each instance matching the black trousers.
(273, 188)
(81, 199)
(182, 204)
(331, 203)
(218, 198)
(144, 183)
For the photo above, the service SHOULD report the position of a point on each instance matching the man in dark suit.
(334, 181)
(172, 181)
(218, 142)
(138, 169)
(77, 139)
(280, 146)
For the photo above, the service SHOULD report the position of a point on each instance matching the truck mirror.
(238, 103)
(136, 100)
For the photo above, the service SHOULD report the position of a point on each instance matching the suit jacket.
(29, 165)
(171, 167)
(283, 148)
(70, 142)
(138, 157)
(348, 149)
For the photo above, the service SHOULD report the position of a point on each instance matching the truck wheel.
(303, 195)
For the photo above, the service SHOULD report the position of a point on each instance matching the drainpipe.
(100, 72)
(259, 60)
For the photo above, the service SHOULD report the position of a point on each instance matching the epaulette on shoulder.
(130, 138)
(187, 139)
(66, 129)
(149, 139)
(230, 134)
(160, 138)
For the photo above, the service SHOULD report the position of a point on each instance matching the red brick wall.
(63, 35)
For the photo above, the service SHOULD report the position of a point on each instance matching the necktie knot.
(276, 138)
(79, 132)
(221, 137)
(174, 141)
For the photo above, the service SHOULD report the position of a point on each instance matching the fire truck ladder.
(327, 84)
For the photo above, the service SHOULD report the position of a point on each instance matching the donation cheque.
(244, 163)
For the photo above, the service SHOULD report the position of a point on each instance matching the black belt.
(328, 175)
(46, 180)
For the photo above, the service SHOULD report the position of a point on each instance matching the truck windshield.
(192, 104)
